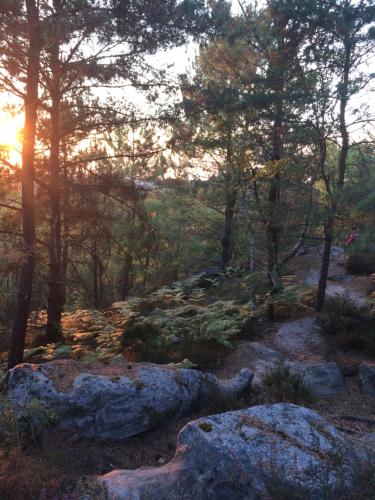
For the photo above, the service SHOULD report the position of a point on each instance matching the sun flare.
(11, 135)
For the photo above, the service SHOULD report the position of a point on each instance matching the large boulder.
(367, 377)
(267, 451)
(120, 400)
(301, 339)
(325, 379)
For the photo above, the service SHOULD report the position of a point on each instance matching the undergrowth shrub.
(23, 428)
(361, 255)
(242, 287)
(196, 318)
(292, 302)
(280, 384)
(360, 263)
(351, 326)
(199, 333)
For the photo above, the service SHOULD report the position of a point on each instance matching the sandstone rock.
(253, 355)
(301, 338)
(211, 272)
(337, 252)
(262, 359)
(325, 379)
(260, 368)
(117, 401)
(250, 454)
(368, 441)
(340, 278)
(367, 377)
(264, 353)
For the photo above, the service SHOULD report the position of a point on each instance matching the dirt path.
(303, 341)
(339, 283)
(355, 287)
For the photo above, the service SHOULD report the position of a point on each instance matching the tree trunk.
(95, 276)
(253, 297)
(273, 266)
(251, 258)
(27, 180)
(273, 201)
(328, 237)
(344, 92)
(335, 197)
(98, 271)
(227, 240)
(55, 279)
(127, 276)
(305, 228)
(65, 235)
(230, 203)
(272, 229)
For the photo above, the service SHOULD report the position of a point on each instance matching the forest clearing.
(187, 250)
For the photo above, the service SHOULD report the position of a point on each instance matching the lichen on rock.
(247, 454)
(119, 400)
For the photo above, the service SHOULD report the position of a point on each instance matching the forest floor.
(306, 269)
(56, 465)
(308, 345)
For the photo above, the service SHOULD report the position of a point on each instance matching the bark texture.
(55, 278)
(335, 196)
(27, 181)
